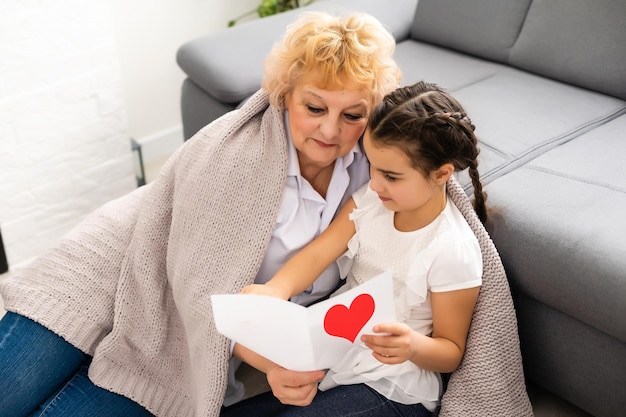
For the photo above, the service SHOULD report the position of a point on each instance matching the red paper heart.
(345, 322)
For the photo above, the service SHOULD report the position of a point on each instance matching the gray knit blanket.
(131, 284)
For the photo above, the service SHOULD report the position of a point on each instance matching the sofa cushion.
(519, 116)
(560, 228)
(422, 61)
(581, 42)
(224, 65)
(579, 363)
(485, 28)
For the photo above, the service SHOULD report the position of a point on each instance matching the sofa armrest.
(228, 64)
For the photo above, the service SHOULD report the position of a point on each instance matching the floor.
(545, 404)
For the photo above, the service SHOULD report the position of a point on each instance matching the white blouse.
(442, 256)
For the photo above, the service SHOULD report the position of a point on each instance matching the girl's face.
(417, 199)
(326, 124)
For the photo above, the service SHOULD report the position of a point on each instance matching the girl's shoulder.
(367, 204)
(457, 259)
(365, 197)
(462, 232)
(359, 195)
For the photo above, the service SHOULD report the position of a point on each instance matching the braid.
(479, 195)
(461, 121)
(433, 129)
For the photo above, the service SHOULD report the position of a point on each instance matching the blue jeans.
(346, 400)
(43, 375)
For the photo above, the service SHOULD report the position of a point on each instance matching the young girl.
(403, 221)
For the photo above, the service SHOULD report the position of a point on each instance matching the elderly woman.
(116, 319)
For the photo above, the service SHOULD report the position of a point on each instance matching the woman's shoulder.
(235, 129)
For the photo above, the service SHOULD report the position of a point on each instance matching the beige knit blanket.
(131, 284)
(490, 380)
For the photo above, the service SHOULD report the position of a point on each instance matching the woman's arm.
(452, 315)
(308, 264)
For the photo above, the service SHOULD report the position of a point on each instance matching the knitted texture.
(131, 284)
(490, 380)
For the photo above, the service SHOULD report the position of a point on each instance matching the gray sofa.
(545, 83)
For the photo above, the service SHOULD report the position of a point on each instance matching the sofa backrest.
(580, 42)
(484, 28)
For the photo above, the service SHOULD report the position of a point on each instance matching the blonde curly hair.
(333, 48)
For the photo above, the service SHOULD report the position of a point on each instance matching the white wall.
(64, 142)
(149, 33)
(78, 78)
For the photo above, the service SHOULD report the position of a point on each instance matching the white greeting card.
(301, 338)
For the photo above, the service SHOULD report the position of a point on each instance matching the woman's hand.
(294, 388)
(289, 387)
(395, 346)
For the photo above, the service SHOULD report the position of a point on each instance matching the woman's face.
(325, 124)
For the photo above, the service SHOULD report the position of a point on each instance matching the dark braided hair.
(433, 129)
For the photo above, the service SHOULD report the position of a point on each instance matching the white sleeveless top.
(443, 256)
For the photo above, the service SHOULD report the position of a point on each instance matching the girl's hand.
(259, 289)
(394, 347)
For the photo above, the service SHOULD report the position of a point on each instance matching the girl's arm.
(308, 264)
(452, 315)
(291, 387)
